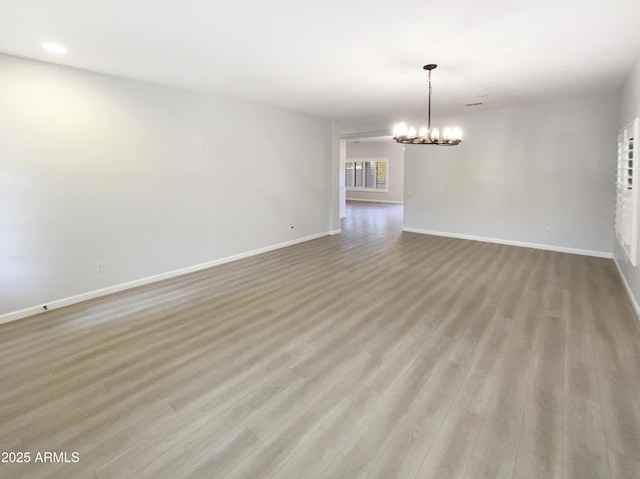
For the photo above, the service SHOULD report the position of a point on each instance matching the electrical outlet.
(99, 268)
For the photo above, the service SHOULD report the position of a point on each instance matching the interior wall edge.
(59, 303)
(376, 201)
(627, 288)
(522, 244)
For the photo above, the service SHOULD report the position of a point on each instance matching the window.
(627, 188)
(367, 175)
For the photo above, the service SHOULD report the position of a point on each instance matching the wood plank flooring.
(372, 354)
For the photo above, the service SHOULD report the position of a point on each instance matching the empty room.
(319, 240)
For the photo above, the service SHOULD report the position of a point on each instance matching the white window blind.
(367, 175)
(627, 189)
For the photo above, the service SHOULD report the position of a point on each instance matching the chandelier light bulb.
(423, 132)
(400, 130)
(412, 133)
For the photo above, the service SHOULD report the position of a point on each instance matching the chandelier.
(427, 135)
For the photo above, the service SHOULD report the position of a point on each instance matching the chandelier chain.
(429, 114)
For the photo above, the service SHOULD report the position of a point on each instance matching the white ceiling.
(341, 59)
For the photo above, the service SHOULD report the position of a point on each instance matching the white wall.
(628, 109)
(379, 149)
(144, 179)
(518, 172)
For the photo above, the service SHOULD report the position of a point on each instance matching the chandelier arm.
(418, 141)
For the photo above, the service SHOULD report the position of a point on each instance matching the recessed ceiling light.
(54, 48)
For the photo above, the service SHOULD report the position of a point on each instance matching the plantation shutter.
(358, 182)
(626, 221)
(370, 174)
(367, 175)
(381, 175)
(348, 175)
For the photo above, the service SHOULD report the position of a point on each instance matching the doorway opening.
(371, 173)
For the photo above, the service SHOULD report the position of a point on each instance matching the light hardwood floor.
(372, 354)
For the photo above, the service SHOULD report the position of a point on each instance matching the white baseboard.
(559, 249)
(376, 201)
(335, 232)
(634, 302)
(59, 303)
